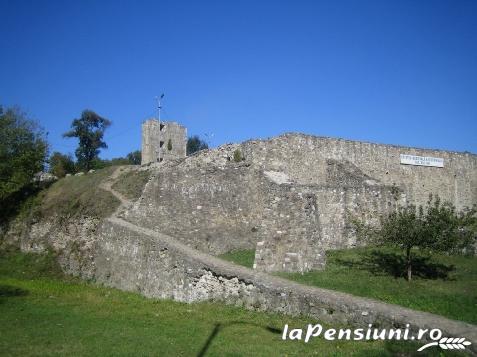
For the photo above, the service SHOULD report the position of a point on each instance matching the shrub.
(238, 156)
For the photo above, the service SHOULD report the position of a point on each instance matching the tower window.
(161, 126)
(161, 143)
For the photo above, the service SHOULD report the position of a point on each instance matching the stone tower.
(162, 141)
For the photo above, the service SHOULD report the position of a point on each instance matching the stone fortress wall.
(304, 159)
(294, 195)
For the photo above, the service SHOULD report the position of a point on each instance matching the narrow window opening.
(161, 126)
(161, 143)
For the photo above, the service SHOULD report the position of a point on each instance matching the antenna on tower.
(159, 106)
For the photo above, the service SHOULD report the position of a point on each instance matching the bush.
(238, 156)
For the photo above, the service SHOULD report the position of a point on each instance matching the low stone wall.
(138, 259)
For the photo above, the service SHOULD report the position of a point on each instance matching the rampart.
(137, 259)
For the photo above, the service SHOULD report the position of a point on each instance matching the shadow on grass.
(387, 263)
(218, 327)
(11, 291)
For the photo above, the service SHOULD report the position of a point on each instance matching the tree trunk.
(408, 263)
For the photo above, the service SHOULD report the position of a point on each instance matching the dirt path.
(108, 186)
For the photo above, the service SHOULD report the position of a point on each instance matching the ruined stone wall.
(155, 265)
(304, 159)
(293, 196)
(220, 209)
(216, 205)
(299, 245)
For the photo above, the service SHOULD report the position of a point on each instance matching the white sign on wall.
(422, 160)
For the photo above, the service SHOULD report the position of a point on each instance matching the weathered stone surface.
(71, 239)
(139, 259)
(294, 194)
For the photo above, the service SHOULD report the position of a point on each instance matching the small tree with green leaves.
(437, 227)
(195, 144)
(23, 151)
(169, 145)
(89, 129)
(61, 164)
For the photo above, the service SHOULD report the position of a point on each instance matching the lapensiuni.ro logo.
(372, 333)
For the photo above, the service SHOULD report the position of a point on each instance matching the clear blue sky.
(398, 72)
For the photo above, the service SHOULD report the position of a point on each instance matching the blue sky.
(398, 72)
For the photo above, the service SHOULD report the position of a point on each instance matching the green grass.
(131, 183)
(240, 257)
(45, 314)
(376, 273)
(79, 196)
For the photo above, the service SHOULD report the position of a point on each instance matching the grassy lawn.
(44, 313)
(240, 257)
(444, 285)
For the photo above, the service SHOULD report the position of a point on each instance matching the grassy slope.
(79, 195)
(131, 184)
(372, 272)
(42, 313)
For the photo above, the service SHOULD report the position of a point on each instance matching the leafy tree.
(89, 129)
(438, 227)
(134, 157)
(23, 151)
(60, 164)
(194, 144)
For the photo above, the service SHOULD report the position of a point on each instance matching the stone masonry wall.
(217, 209)
(304, 159)
(293, 197)
(137, 259)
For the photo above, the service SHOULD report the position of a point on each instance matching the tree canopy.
(194, 144)
(89, 129)
(23, 151)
